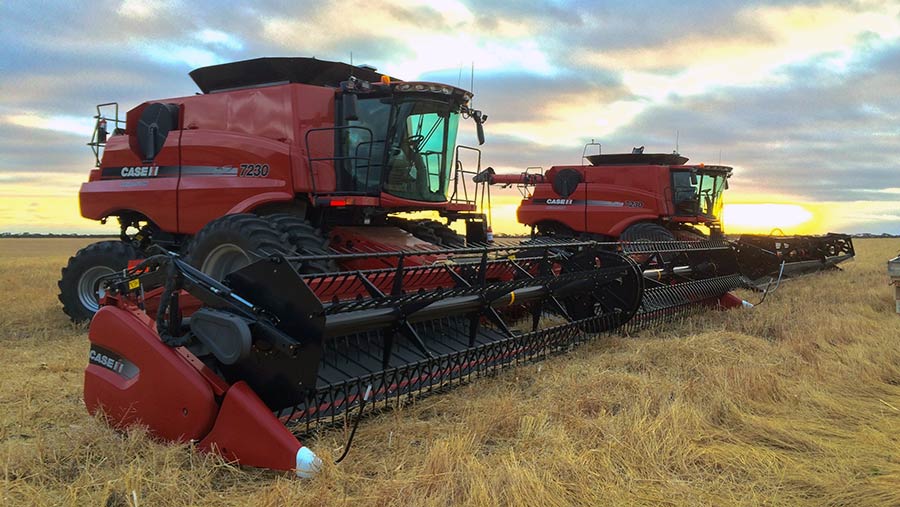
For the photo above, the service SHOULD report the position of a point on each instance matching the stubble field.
(795, 402)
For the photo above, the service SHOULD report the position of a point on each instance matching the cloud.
(144, 9)
(174, 53)
(66, 124)
(219, 38)
(823, 133)
(28, 152)
(426, 35)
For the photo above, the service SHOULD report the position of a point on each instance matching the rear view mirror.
(479, 126)
(693, 178)
(101, 131)
(350, 103)
(726, 184)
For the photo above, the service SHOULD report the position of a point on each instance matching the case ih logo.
(140, 172)
(111, 361)
(559, 201)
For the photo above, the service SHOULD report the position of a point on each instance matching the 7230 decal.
(253, 170)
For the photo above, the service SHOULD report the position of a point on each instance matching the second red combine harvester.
(642, 197)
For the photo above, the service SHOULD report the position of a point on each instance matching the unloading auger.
(244, 366)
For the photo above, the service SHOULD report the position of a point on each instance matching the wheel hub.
(89, 286)
(224, 259)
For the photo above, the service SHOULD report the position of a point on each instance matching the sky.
(801, 98)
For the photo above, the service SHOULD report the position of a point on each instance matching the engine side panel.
(620, 196)
(229, 172)
(126, 183)
(609, 199)
(547, 205)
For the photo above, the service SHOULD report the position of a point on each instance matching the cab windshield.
(401, 145)
(698, 195)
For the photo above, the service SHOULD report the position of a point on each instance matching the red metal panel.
(152, 196)
(380, 239)
(313, 108)
(127, 338)
(246, 431)
(213, 182)
(259, 112)
(729, 301)
(613, 198)
(569, 214)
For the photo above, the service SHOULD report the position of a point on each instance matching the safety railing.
(339, 163)
(108, 112)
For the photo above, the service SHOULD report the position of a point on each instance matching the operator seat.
(685, 195)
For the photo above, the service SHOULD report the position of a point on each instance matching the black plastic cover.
(638, 159)
(225, 334)
(566, 181)
(272, 70)
(153, 127)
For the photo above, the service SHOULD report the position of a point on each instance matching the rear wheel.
(449, 237)
(79, 284)
(647, 231)
(434, 232)
(306, 239)
(231, 242)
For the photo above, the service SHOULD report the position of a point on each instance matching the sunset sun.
(763, 218)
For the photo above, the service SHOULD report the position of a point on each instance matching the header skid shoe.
(273, 354)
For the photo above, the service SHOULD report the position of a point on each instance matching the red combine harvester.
(641, 197)
(319, 152)
(262, 287)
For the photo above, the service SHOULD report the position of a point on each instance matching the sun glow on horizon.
(764, 217)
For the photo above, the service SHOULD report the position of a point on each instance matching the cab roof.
(278, 70)
(637, 159)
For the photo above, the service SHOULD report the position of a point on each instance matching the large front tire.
(79, 284)
(646, 232)
(231, 242)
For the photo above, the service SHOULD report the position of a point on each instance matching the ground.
(794, 402)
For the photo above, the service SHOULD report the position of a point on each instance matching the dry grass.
(796, 402)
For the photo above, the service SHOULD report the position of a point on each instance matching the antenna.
(351, 64)
(676, 141)
(459, 79)
(472, 82)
